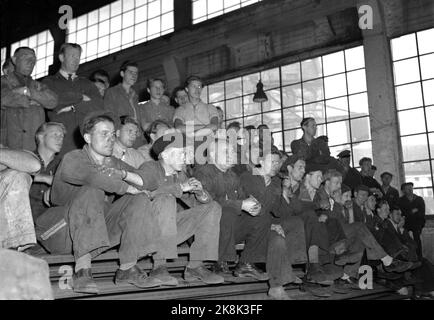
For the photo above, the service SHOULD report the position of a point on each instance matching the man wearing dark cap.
(361, 194)
(352, 177)
(99, 203)
(390, 194)
(169, 184)
(315, 151)
(413, 209)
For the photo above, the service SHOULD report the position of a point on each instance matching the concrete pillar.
(381, 96)
(183, 12)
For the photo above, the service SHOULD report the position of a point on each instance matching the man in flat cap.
(352, 177)
(169, 186)
(390, 194)
(99, 202)
(413, 209)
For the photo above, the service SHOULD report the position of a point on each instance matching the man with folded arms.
(169, 184)
(99, 204)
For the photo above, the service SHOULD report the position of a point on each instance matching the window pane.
(414, 147)
(216, 91)
(270, 78)
(291, 74)
(214, 6)
(128, 36)
(429, 111)
(167, 5)
(337, 109)
(154, 9)
(167, 22)
(104, 13)
(233, 88)
(406, 71)
(199, 8)
(103, 44)
(333, 63)
(273, 120)
(355, 58)
(92, 47)
(428, 92)
(140, 31)
(311, 69)
(81, 22)
(335, 86)
(141, 14)
(412, 121)
(92, 32)
(409, 96)
(204, 94)
(291, 95)
(356, 81)
(313, 91)
(154, 26)
(127, 19)
(360, 129)
(115, 24)
(419, 173)
(278, 140)
(72, 38)
(115, 41)
(127, 5)
(251, 107)
(427, 195)
(431, 143)
(292, 117)
(116, 8)
(315, 110)
(249, 83)
(338, 132)
(253, 120)
(427, 66)
(92, 18)
(404, 47)
(425, 41)
(234, 108)
(358, 105)
(361, 150)
(273, 102)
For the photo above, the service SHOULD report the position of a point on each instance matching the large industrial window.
(413, 65)
(3, 56)
(207, 9)
(43, 44)
(330, 88)
(120, 25)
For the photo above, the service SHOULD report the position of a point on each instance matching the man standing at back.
(77, 96)
(22, 102)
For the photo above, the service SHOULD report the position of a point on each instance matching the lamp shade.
(260, 95)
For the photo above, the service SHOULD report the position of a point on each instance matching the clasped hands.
(251, 206)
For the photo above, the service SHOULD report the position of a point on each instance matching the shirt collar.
(66, 74)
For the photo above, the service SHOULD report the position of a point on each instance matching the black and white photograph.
(217, 155)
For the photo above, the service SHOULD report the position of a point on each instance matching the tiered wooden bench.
(105, 265)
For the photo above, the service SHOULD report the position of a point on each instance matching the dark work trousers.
(94, 225)
(236, 228)
(283, 252)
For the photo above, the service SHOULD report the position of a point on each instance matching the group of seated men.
(106, 172)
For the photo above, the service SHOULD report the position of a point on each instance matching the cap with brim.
(170, 140)
(386, 174)
(344, 154)
(98, 113)
(406, 184)
(345, 188)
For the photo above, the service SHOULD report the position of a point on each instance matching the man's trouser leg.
(164, 207)
(318, 236)
(16, 221)
(228, 221)
(283, 252)
(202, 221)
(132, 224)
(418, 240)
(86, 222)
(255, 232)
(360, 238)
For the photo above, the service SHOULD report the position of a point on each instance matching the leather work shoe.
(278, 293)
(317, 275)
(136, 277)
(221, 268)
(398, 266)
(203, 274)
(161, 273)
(82, 282)
(246, 270)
